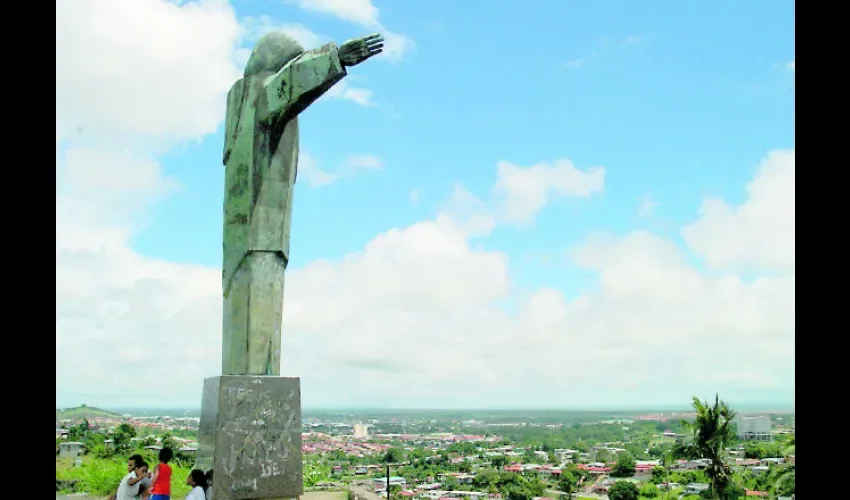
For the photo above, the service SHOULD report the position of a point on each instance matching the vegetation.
(84, 412)
(711, 433)
(623, 490)
(709, 436)
(625, 466)
(100, 476)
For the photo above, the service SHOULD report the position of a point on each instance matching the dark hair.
(165, 455)
(199, 478)
(209, 476)
(137, 459)
(141, 463)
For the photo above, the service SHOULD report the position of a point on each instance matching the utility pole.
(388, 481)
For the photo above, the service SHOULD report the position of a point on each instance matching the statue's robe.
(261, 158)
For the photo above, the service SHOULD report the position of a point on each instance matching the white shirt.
(197, 493)
(127, 491)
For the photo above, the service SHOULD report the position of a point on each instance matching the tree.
(623, 490)
(499, 461)
(393, 455)
(659, 475)
(649, 490)
(711, 432)
(625, 466)
(568, 483)
(514, 493)
(122, 437)
(784, 481)
(167, 441)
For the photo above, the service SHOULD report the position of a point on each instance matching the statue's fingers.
(377, 41)
(373, 36)
(377, 46)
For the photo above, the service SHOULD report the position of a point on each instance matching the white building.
(754, 428)
(70, 449)
(361, 431)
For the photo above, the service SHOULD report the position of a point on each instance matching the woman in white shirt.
(198, 481)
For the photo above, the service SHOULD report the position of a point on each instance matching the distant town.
(438, 455)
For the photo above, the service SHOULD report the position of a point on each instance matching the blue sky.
(678, 102)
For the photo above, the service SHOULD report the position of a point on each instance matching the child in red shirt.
(161, 482)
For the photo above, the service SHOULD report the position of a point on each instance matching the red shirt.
(162, 486)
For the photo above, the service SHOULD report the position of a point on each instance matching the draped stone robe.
(261, 158)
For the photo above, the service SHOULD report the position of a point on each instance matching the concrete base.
(250, 436)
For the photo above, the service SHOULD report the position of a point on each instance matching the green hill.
(84, 412)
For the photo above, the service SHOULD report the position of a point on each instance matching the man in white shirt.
(132, 462)
(129, 487)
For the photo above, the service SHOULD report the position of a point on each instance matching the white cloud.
(790, 66)
(361, 12)
(125, 94)
(421, 315)
(309, 171)
(343, 91)
(414, 196)
(396, 45)
(647, 207)
(120, 77)
(420, 308)
(365, 14)
(524, 191)
(253, 28)
(368, 162)
(758, 233)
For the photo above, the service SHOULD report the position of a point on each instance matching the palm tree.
(711, 431)
(785, 479)
(791, 448)
(667, 462)
(784, 483)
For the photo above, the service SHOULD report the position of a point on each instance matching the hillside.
(81, 412)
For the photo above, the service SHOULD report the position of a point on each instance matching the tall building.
(754, 428)
(361, 431)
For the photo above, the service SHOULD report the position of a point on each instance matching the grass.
(98, 476)
(84, 412)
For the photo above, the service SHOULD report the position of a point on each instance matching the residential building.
(695, 489)
(70, 449)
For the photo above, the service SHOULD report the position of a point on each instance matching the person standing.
(161, 481)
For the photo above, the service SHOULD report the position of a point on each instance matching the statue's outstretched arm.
(301, 82)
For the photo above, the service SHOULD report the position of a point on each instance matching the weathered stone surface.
(250, 435)
(261, 158)
(250, 430)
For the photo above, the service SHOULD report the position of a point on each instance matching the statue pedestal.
(250, 436)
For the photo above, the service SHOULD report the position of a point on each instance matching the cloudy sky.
(577, 204)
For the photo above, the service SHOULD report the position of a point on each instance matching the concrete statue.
(250, 430)
(261, 155)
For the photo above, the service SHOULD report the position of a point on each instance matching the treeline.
(583, 436)
(123, 442)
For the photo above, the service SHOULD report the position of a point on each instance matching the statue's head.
(272, 52)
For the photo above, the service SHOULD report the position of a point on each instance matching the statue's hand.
(354, 52)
